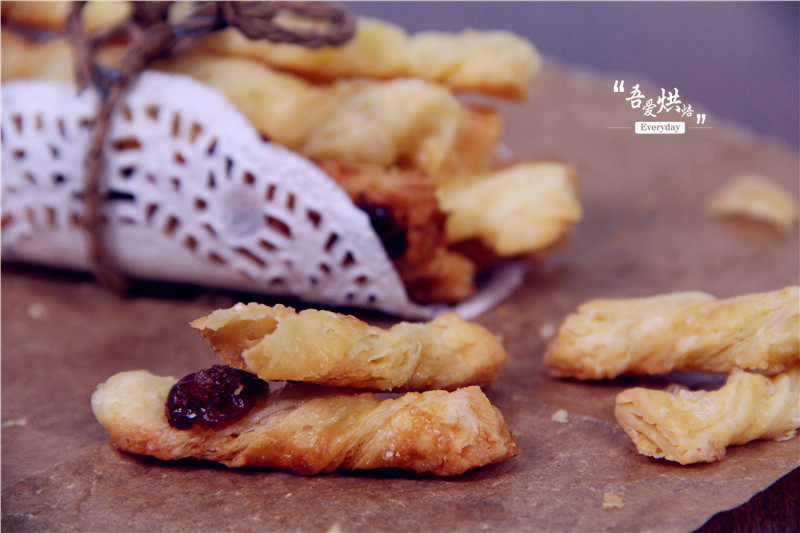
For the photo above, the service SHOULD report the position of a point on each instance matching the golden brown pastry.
(679, 331)
(277, 343)
(308, 429)
(756, 197)
(446, 276)
(692, 427)
(359, 121)
(404, 211)
(24, 58)
(428, 153)
(521, 209)
(495, 62)
(52, 15)
(363, 121)
(476, 143)
(303, 117)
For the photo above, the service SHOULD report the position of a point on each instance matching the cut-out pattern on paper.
(193, 194)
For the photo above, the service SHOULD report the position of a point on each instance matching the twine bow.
(151, 35)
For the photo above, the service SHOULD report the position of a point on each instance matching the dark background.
(739, 60)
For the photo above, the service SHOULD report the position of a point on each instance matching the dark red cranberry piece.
(213, 398)
(392, 236)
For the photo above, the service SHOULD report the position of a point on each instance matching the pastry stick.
(404, 210)
(492, 62)
(756, 197)
(303, 117)
(679, 331)
(323, 347)
(51, 59)
(365, 121)
(407, 121)
(53, 15)
(692, 427)
(308, 429)
(524, 208)
(346, 121)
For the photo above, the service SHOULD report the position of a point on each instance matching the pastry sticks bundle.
(691, 331)
(313, 428)
(379, 117)
(489, 62)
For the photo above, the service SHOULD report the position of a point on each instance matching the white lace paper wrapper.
(197, 197)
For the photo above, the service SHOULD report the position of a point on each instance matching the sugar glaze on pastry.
(277, 343)
(308, 429)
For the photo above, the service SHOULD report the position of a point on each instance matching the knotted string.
(152, 36)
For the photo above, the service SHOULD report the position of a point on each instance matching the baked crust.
(492, 62)
(430, 272)
(405, 121)
(289, 110)
(476, 144)
(408, 196)
(277, 343)
(446, 276)
(53, 15)
(308, 429)
(692, 427)
(679, 331)
(756, 197)
(521, 209)
(432, 151)
(24, 58)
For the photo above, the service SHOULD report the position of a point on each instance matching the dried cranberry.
(392, 236)
(213, 398)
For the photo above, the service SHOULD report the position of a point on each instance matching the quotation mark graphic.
(619, 86)
(701, 118)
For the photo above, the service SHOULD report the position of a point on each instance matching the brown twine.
(151, 36)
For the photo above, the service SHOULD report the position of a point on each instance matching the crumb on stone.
(559, 416)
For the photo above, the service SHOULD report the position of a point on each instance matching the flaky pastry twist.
(756, 197)
(679, 331)
(407, 121)
(309, 429)
(277, 343)
(493, 62)
(692, 427)
(521, 209)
